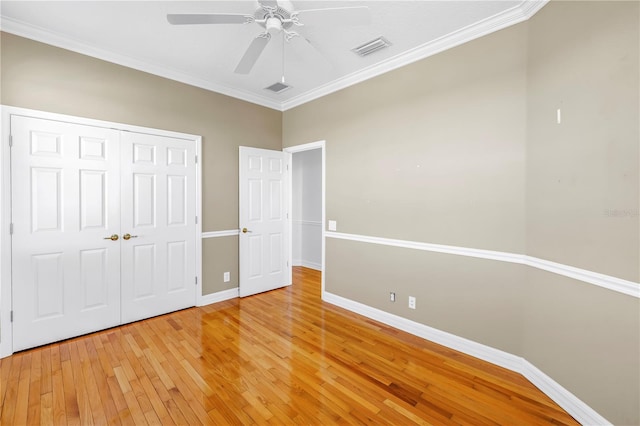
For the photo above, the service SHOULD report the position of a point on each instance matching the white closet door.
(158, 211)
(65, 200)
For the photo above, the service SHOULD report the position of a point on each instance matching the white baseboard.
(307, 264)
(571, 403)
(311, 265)
(565, 399)
(219, 296)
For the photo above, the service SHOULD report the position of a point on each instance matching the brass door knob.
(245, 230)
(129, 236)
(114, 237)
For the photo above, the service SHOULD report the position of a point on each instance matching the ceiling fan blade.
(335, 16)
(269, 3)
(252, 54)
(207, 18)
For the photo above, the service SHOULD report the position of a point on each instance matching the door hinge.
(11, 316)
(10, 141)
(196, 220)
(196, 159)
(287, 167)
(196, 280)
(11, 229)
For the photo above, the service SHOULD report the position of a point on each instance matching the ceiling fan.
(275, 18)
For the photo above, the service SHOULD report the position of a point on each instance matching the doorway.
(307, 206)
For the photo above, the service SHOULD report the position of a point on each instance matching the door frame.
(288, 156)
(6, 330)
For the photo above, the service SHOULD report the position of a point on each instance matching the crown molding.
(522, 12)
(507, 18)
(33, 32)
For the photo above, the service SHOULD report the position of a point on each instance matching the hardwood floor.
(281, 357)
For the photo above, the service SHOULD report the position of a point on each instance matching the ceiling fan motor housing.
(273, 22)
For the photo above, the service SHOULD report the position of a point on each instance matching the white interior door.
(262, 221)
(159, 213)
(66, 204)
(104, 228)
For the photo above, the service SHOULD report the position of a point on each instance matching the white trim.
(310, 265)
(565, 399)
(42, 35)
(629, 288)
(439, 248)
(6, 330)
(307, 222)
(225, 233)
(619, 285)
(6, 336)
(25, 112)
(198, 252)
(507, 18)
(219, 296)
(289, 151)
(525, 10)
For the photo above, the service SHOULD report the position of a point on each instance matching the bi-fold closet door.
(103, 228)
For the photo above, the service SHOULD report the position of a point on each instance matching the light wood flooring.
(282, 357)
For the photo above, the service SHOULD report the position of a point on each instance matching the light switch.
(226, 277)
(332, 225)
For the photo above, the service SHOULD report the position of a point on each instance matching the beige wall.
(440, 139)
(462, 148)
(477, 299)
(432, 152)
(42, 77)
(583, 58)
(582, 200)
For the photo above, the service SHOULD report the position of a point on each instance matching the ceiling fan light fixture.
(371, 46)
(273, 25)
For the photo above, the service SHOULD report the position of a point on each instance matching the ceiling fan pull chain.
(283, 37)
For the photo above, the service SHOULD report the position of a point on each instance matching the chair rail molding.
(619, 285)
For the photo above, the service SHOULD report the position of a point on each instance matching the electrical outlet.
(412, 302)
(392, 296)
(227, 277)
(333, 225)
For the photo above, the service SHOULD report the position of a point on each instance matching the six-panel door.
(158, 211)
(66, 201)
(73, 188)
(262, 221)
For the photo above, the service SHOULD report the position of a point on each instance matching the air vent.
(278, 87)
(372, 46)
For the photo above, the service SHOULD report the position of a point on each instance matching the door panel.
(262, 259)
(73, 186)
(65, 200)
(93, 275)
(158, 193)
(93, 199)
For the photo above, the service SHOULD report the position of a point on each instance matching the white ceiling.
(136, 34)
